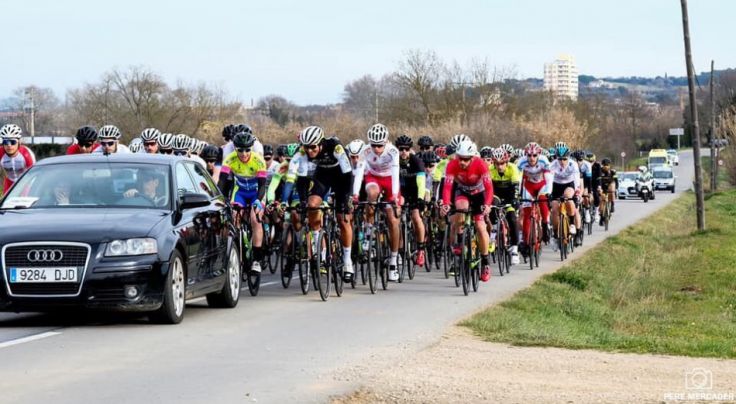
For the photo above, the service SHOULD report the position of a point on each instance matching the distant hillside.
(658, 81)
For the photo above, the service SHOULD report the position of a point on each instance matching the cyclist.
(320, 167)
(274, 194)
(413, 182)
(109, 138)
(469, 185)
(381, 161)
(165, 142)
(182, 145)
(196, 147)
(536, 182)
(150, 137)
(565, 183)
(136, 145)
(506, 179)
(86, 137)
(244, 173)
(607, 182)
(586, 175)
(210, 155)
(516, 156)
(486, 153)
(271, 163)
(354, 149)
(15, 158)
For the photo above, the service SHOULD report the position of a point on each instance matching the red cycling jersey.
(15, 166)
(471, 180)
(74, 149)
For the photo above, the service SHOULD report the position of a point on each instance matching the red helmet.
(500, 155)
(532, 148)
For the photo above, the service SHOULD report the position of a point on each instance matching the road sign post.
(677, 132)
(623, 166)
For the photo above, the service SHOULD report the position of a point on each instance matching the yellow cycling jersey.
(246, 174)
(506, 185)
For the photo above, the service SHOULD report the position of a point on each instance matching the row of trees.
(425, 95)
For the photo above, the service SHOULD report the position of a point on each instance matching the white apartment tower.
(561, 77)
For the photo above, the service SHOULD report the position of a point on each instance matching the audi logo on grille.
(45, 256)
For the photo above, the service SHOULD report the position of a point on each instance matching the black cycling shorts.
(558, 190)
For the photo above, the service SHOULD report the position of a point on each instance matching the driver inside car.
(148, 182)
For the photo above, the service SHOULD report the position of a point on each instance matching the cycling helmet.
(311, 135)
(590, 156)
(428, 157)
(267, 150)
(404, 140)
(552, 151)
(242, 128)
(181, 142)
(507, 148)
(486, 152)
(210, 153)
(643, 169)
(244, 139)
(150, 134)
(86, 134)
(545, 153)
(198, 146)
(561, 149)
(577, 155)
(355, 147)
(136, 145)
(10, 131)
(291, 149)
(532, 148)
(281, 150)
(467, 148)
(450, 149)
(457, 139)
(165, 140)
(425, 141)
(500, 155)
(378, 134)
(109, 132)
(606, 161)
(518, 153)
(228, 132)
(441, 151)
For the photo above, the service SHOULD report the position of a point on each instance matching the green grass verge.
(657, 287)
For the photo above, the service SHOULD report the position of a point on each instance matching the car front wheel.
(230, 293)
(172, 309)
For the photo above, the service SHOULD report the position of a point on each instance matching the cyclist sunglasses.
(243, 149)
(86, 145)
(149, 143)
(108, 143)
(180, 152)
(311, 147)
(10, 142)
(404, 148)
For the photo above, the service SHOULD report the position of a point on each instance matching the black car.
(128, 232)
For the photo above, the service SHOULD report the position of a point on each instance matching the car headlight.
(131, 246)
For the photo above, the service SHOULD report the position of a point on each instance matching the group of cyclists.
(437, 185)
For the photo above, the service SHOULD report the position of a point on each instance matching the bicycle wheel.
(373, 262)
(320, 257)
(286, 262)
(305, 272)
(466, 260)
(592, 218)
(382, 239)
(401, 259)
(474, 263)
(337, 264)
(447, 257)
(411, 252)
(608, 214)
(532, 242)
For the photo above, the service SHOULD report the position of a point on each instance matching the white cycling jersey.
(586, 169)
(121, 149)
(385, 164)
(567, 174)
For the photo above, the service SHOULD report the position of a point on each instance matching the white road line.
(29, 338)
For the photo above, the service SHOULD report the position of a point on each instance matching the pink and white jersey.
(15, 166)
(385, 164)
(538, 173)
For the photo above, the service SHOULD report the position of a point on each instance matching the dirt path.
(461, 368)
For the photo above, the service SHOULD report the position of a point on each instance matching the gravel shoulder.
(463, 368)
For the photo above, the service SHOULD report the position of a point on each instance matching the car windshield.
(93, 185)
(628, 176)
(657, 160)
(672, 152)
(663, 174)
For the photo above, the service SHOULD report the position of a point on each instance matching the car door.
(213, 254)
(188, 226)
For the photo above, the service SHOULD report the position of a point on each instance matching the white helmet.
(457, 139)
(466, 148)
(136, 145)
(643, 169)
(109, 132)
(150, 134)
(355, 147)
(378, 134)
(181, 142)
(10, 131)
(312, 135)
(199, 145)
(165, 140)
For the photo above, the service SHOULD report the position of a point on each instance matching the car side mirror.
(191, 200)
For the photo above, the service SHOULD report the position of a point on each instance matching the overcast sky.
(308, 50)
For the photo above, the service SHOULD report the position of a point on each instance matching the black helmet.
(210, 152)
(281, 150)
(606, 161)
(425, 141)
(241, 127)
(404, 140)
(243, 139)
(228, 132)
(428, 157)
(486, 152)
(86, 134)
(450, 149)
(267, 150)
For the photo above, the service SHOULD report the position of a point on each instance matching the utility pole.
(376, 105)
(29, 91)
(699, 200)
(713, 148)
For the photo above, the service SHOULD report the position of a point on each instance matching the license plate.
(43, 275)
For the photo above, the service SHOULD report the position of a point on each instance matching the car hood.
(91, 225)
(626, 183)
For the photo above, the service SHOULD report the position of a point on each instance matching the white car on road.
(627, 185)
(673, 157)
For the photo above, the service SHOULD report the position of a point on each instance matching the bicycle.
(468, 262)
(606, 211)
(294, 253)
(245, 246)
(327, 263)
(503, 255)
(534, 240)
(565, 240)
(376, 244)
(408, 249)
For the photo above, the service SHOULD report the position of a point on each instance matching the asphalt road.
(278, 347)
